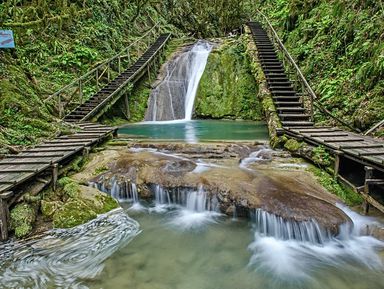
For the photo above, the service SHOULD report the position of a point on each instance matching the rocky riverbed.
(243, 177)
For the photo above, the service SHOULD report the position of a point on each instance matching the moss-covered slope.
(57, 41)
(227, 88)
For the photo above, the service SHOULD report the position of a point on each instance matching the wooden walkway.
(359, 160)
(16, 169)
(364, 149)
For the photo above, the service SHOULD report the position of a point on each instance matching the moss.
(22, 217)
(73, 213)
(292, 145)
(108, 202)
(349, 196)
(321, 156)
(227, 88)
(64, 181)
(100, 170)
(72, 190)
(48, 208)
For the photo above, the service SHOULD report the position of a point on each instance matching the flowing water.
(183, 242)
(174, 97)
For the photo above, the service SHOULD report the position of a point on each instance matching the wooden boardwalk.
(367, 150)
(16, 169)
(359, 160)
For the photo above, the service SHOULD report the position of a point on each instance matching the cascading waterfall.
(191, 199)
(121, 191)
(174, 97)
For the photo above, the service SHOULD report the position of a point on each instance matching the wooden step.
(297, 123)
(294, 116)
(287, 103)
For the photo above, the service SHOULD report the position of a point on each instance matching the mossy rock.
(85, 206)
(73, 213)
(292, 145)
(48, 208)
(22, 217)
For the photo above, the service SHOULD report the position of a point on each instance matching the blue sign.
(6, 39)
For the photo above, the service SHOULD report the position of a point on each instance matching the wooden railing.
(309, 97)
(80, 89)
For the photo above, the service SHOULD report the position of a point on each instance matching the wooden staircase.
(109, 94)
(288, 103)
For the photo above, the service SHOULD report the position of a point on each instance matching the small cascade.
(261, 155)
(267, 224)
(122, 191)
(188, 198)
(174, 97)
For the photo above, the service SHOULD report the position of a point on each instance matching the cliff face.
(227, 88)
(340, 47)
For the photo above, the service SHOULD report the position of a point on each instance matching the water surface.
(197, 130)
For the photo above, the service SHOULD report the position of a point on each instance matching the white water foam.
(289, 257)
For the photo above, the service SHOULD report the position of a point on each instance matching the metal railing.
(309, 97)
(80, 89)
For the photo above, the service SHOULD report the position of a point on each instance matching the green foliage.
(337, 45)
(349, 196)
(206, 19)
(321, 156)
(227, 88)
(22, 217)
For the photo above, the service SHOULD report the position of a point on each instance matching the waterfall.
(268, 224)
(174, 97)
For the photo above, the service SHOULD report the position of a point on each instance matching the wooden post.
(109, 72)
(368, 175)
(55, 175)
(149, 72)
(4, 215)
(81, 91)
(60, 107)
(86, 151)
(119, 64)
(97, 78)
(338, 155)
(127, 111)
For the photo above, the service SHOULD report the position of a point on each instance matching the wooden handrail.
(375, 127)
(106, 62)
(313, 97)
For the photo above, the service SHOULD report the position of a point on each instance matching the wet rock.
(292, 195)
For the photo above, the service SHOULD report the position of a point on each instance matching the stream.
(179, 237)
